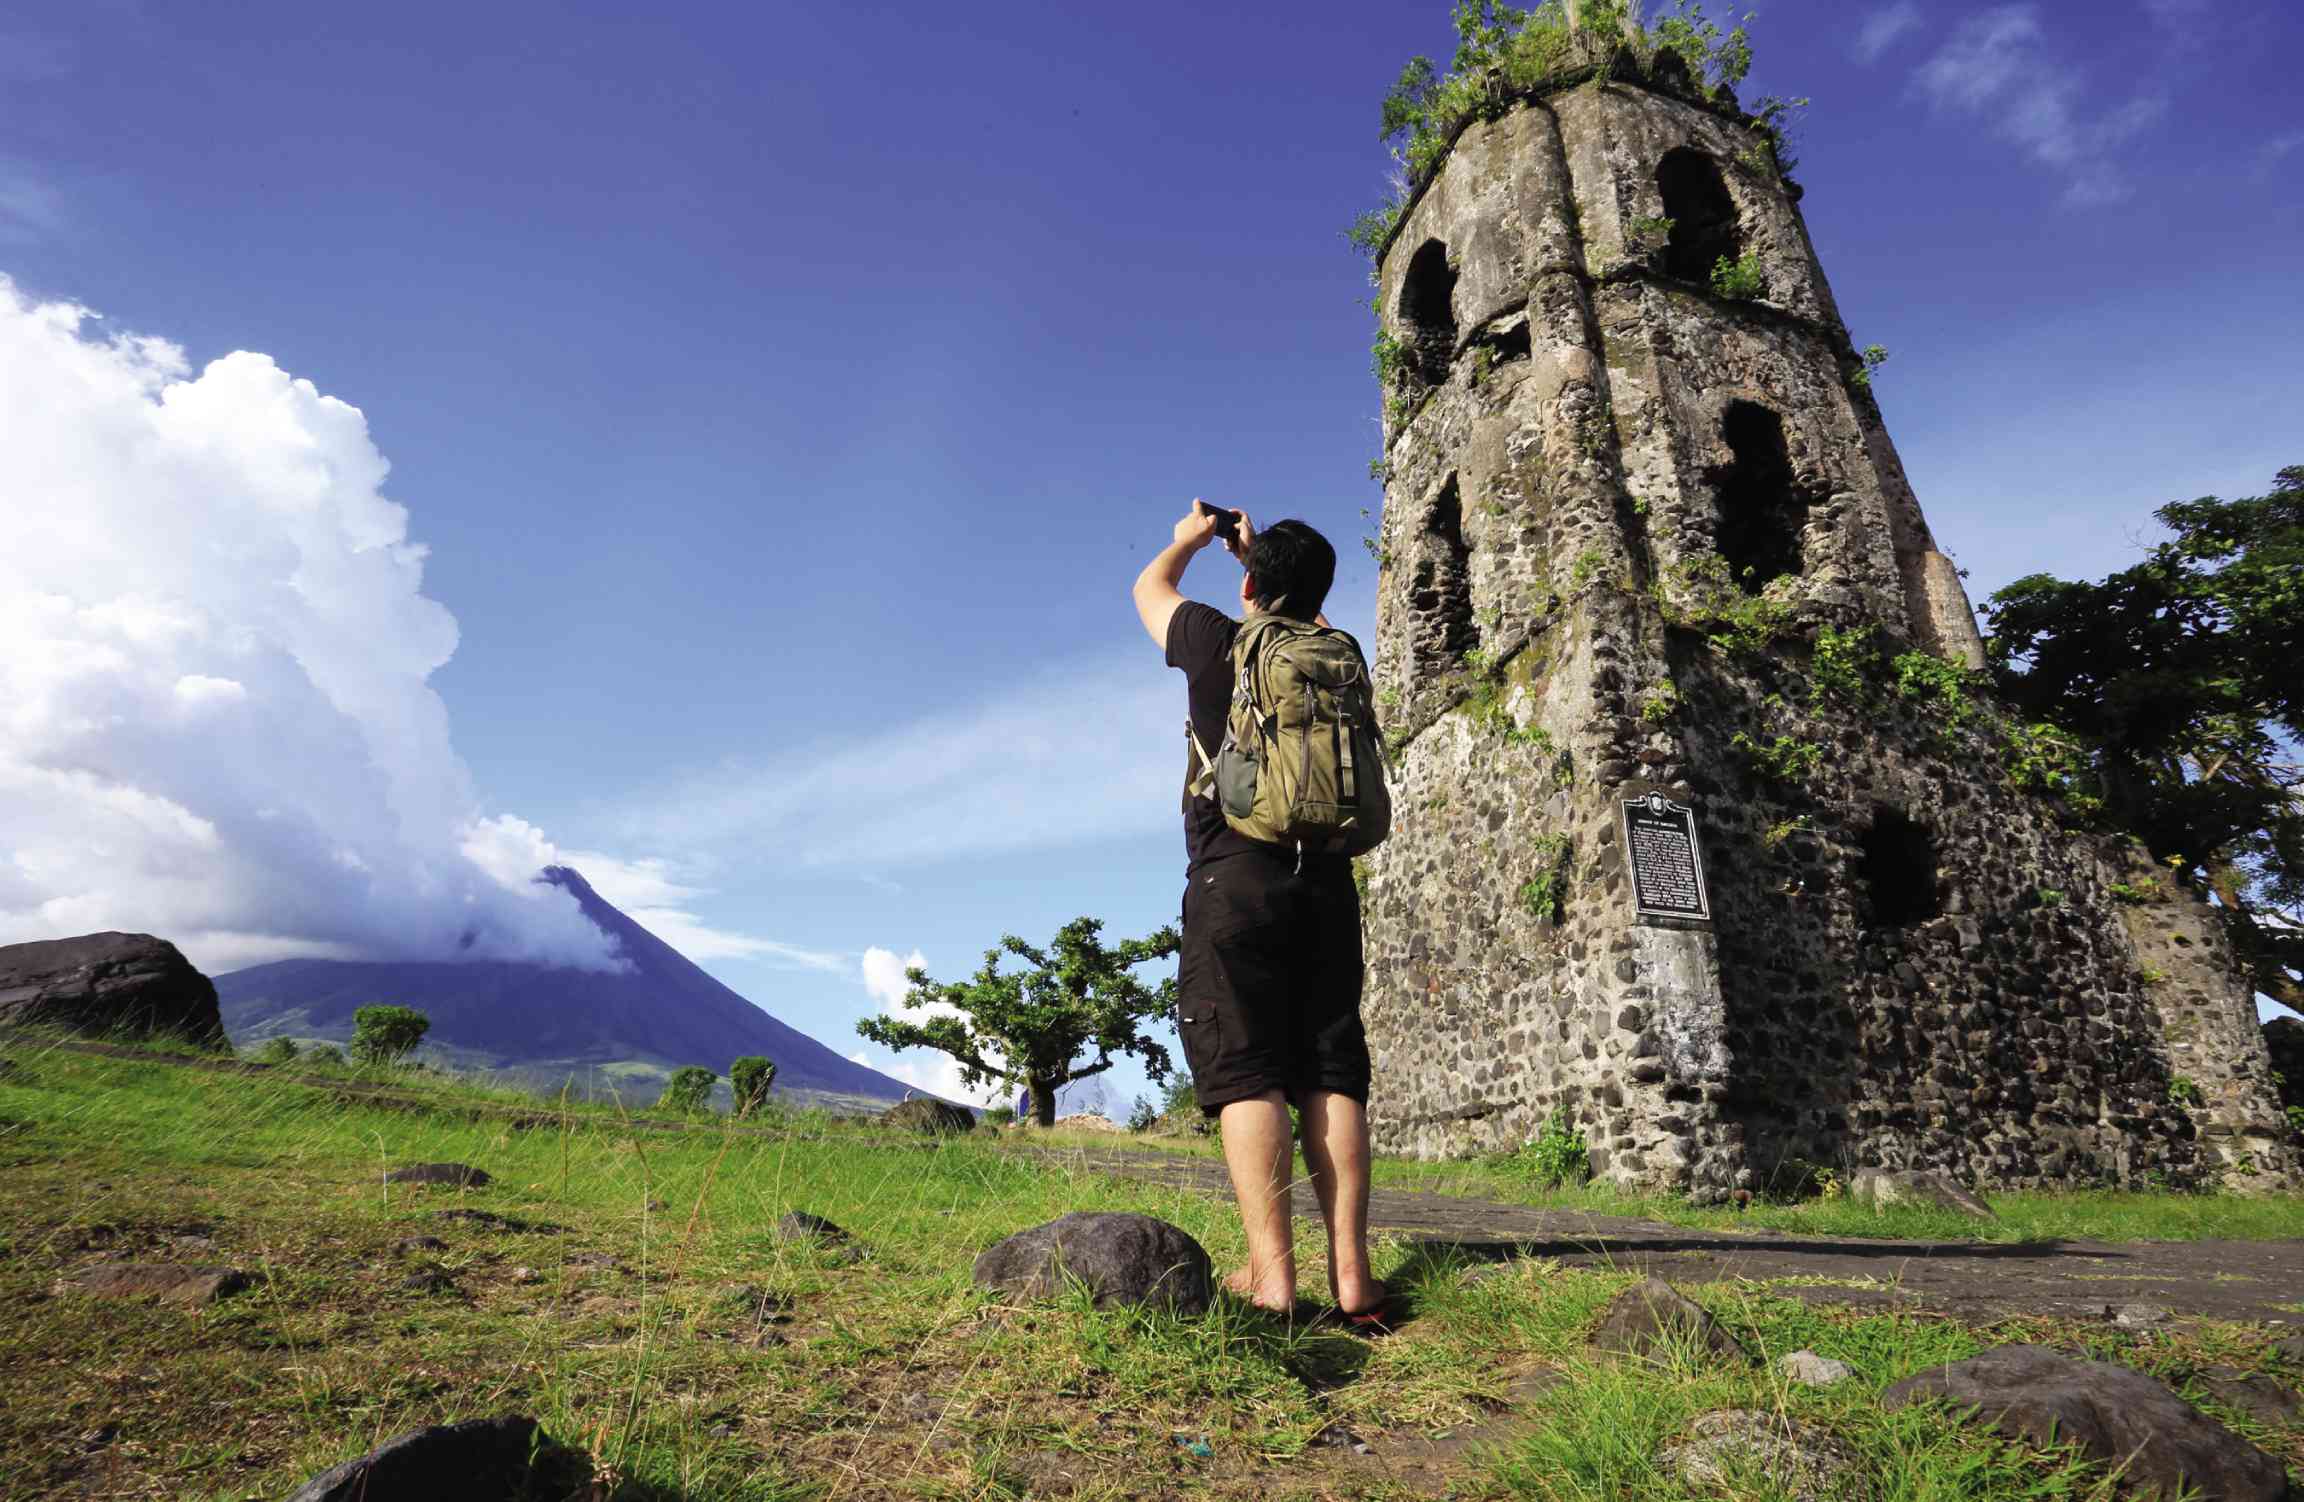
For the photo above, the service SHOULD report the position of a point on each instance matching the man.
(1268, 981)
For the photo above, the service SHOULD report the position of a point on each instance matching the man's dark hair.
(1293, 565)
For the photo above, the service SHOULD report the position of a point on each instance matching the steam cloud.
(215, 723)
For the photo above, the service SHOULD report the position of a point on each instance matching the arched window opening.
(1440, 592)
(1703, 216)
(1899, 869)
(1762, 508)
(1428, 309)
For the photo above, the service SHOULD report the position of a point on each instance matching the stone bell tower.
(1644, 532)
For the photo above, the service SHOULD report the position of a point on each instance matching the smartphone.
(1227, 520)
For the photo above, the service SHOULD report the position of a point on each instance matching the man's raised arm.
(1156, 596)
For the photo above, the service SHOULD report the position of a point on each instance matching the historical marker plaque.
(1660, 851)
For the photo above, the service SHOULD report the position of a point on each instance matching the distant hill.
(545, 1022)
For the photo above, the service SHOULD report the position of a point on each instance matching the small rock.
(927, 1115)
(1337, 1437)
(1882, 1187)
(193, 1245)
(462, 1175)
(600, 1261)
(1123, 1258)
(409, 1246)
(479, 1459)
(428, 1280)
(799, 1228)
(1802, 1461)
(2289, 1348)
(524, 1275)
(752, 1301)
(1811, 1370)
(2137, 1316)
(722, 1431)
(1487, 1272)
(1654, 1319)
(2163, 1444)
(2252, 1393)
(100, 1436)
(187, 1284)
(494, 1222)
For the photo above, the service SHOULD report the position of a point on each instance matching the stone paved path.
(2242, 1280)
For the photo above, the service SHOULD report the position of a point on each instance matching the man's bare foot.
(1362, 1295)
(1270, 1294)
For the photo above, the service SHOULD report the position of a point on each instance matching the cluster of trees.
(382, 1037)
(688, 1092)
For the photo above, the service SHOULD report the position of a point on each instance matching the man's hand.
(1242, 535)
(1197, 529)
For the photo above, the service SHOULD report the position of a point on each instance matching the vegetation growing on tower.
(1504, 52)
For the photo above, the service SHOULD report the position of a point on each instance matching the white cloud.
(1884, 27)
(1997, 68)
(648, 891)
(2276, 150)
(1086, 749)
(29, 208)
(215, 720)
(884, 979)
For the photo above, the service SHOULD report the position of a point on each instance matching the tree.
(750, 1077)
(1030, 1027)
(2183, 680)
(688, 1092)
(278, 1051)
(386, 1035)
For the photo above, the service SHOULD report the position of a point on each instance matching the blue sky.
(788, 395)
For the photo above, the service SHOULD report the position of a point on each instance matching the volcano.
(549, 1022)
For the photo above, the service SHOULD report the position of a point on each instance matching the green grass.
(891, 1377)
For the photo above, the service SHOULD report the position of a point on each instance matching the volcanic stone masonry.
(1595, 467)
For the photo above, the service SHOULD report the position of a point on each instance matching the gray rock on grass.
(1811, 1370)
(1883, 1187)
(1798, 1460)
(106, 984)
(1653, 1319)
(799, 1228)
(929, 1116)
(1122, 1258)
(2252, 1393)
(2121, 1417)
(504, 1459)
(461, 1175)
(190, 1285)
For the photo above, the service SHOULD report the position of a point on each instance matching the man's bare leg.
(1260, 1155)
(1336, 1150)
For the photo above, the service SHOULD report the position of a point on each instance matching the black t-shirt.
(1200, 646)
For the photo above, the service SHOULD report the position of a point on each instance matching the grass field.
(712, 1362)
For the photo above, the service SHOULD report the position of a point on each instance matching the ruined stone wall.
(1569, 458)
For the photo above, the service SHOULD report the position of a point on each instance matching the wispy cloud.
(1998, 68)
(30, 209)
(1884, 27)
(1085, 750)
(2277, 150)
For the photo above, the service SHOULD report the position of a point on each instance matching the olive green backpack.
(1302, 762)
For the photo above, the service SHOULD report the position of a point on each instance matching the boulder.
(106, 984)
(2162, 1444)
(1796, 1460)
(462, 1175)
(929, 1116)
(2283, 1040)
(1654, 1319)
(1882, 1187)
(799, 1228)
(1123, 1258)
(2251, 1393)
(188, 1284)
(1811, 1370)
(480, 1460)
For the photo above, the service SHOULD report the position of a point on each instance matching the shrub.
(688, 1092)
(1143, 1115)
(325, 1056)
(385, 1035)
(278, 1051)
(1558, 1157)
(1000, 1116)
(750, 1077)
(1739, 280)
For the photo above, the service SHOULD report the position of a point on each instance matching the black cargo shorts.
(1268, 981)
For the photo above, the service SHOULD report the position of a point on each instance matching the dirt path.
(2240, 1280)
